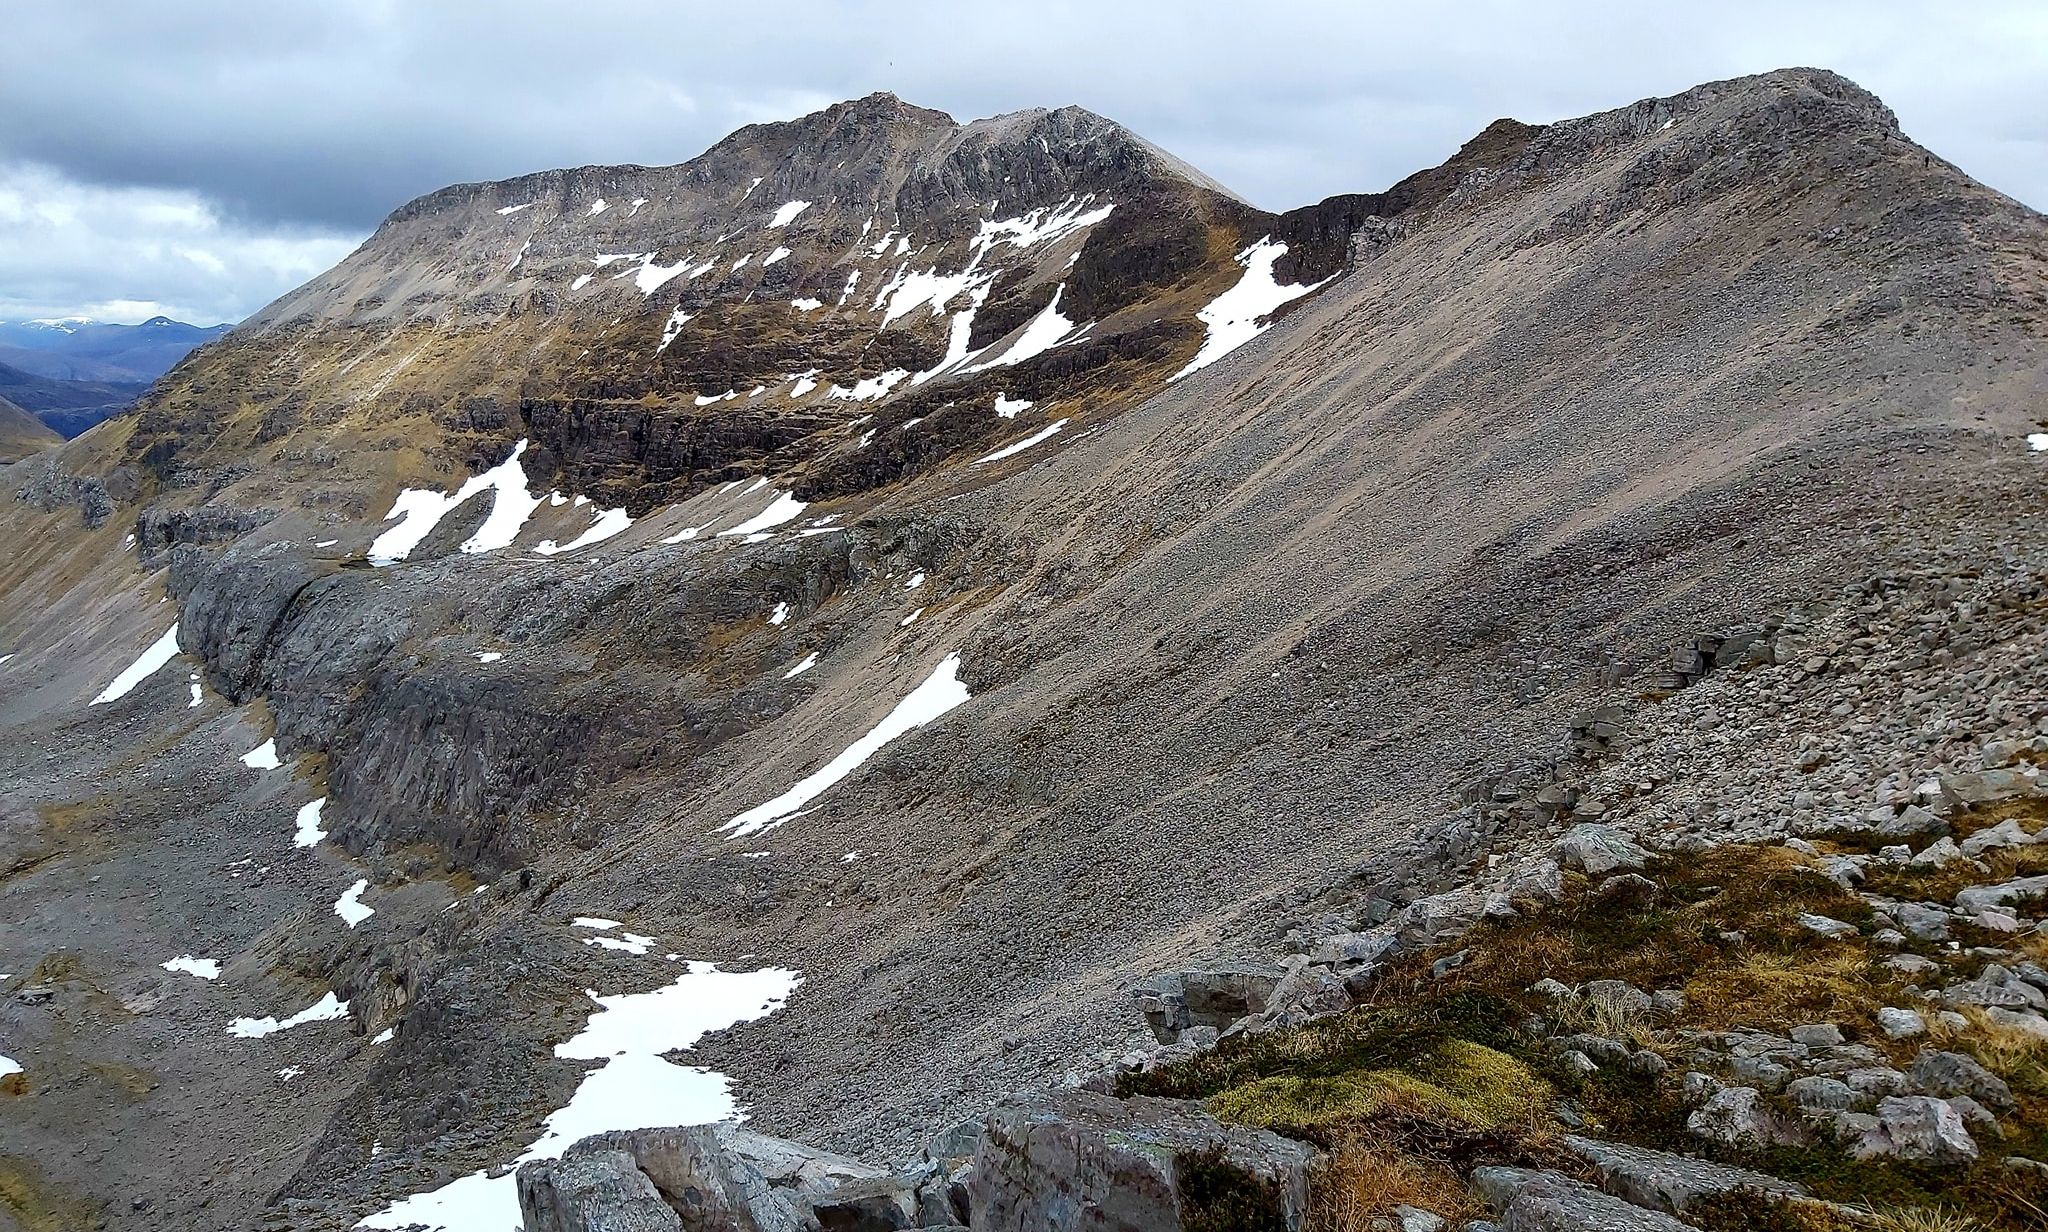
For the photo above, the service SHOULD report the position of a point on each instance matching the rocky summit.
(903, 673)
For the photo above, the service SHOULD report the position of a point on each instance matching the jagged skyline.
(225, 156)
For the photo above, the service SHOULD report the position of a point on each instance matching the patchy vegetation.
(1431, 1076)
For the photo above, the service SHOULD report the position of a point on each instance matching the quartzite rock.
(1080, 1162)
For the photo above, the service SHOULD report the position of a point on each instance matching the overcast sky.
(201, 158)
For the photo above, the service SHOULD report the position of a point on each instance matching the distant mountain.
(80, 349)
(68, 407)
(22, 434)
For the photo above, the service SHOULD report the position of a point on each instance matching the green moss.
(1365, 1039)
(1454, 1080)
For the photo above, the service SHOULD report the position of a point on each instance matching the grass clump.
(1366, 1175)
(1455, 1080)
(1216, 1195)
(1778, 991)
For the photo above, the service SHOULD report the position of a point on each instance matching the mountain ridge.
(1228, 634)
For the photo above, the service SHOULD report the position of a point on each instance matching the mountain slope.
(1187, 643)
(21, 433)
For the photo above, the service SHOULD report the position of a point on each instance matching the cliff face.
(1215, 593)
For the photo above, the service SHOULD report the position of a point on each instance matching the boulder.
(1215, 994)
(2007, 833)
(1440, 917)
(1820, 1094)
(1738, 1116)
(710, 1176)
(1626, 892)
(1666, 1182)
(1539, 881)
(1898, 1023)
(1973, 787)
(877, 1204)
(1936, 855)
(586, 1190)
(1530, 1201)
(1921, 921)
(1919, 1129)
(1910, 822)
(1347, 950)
(1596, 850)
(1075, 1161)
(2019, 1020)
(1951, 1073)
(1306, 994)
(1979, 898)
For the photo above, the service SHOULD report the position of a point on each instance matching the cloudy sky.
(200, 158)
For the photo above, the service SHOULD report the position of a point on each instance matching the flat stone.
(1978, 898)
(1875, 1082)
(1737, 1116)
(1073, 1161)
(1666, 1182)
(1817, 1034)
(2007, 833)
(1899, 1023)
(1935, 1072)
(1596, 850)
(1826, 926)
(1531, 1201)
(1820, 1093)
(2020, 1020)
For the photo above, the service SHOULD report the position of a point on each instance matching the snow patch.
(326, 1009)
(420, 510)
(204, 968)
(810, 661)
(309, 832)
(609, 522)
(1234, 317)
(263, 756)
(676, 321)
(871, 388)
(514, 209)
(1038, 437)
(807, 304)
(350, 905)
(782, 509)
(1008, 409)
(940, 692)
(159, 652)
(634, 1089)
(1047, 330)
(777, 255)
(786, 213)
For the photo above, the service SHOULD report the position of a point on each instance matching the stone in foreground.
(1081, 1162)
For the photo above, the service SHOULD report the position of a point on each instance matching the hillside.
(21, 433)
(945, 575)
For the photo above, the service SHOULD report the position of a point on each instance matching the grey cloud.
(327, 114)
